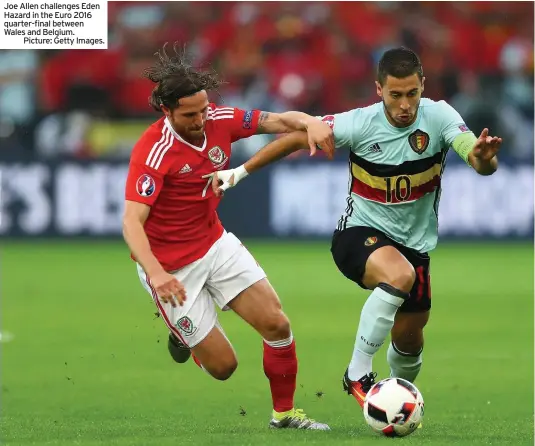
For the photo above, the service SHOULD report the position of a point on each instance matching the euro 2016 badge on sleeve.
(145, 185)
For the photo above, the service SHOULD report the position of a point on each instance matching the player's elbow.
(135, 215)
(126, 229)
(130, 224)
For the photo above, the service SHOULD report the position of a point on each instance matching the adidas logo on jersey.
(375, 148)
(185, 169)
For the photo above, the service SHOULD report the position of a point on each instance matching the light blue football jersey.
(395, 173)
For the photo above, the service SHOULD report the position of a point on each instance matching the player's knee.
(276, 327)
(224, 369)
(403, 279)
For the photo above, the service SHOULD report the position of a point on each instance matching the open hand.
(486, 147)
(168, 288)
(320, 134)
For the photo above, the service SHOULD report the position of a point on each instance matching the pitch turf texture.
(89, 364)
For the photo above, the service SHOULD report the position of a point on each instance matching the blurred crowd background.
(317, 57)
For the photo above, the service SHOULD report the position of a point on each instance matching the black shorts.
(352, 247)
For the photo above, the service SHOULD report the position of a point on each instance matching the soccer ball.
(394, 407)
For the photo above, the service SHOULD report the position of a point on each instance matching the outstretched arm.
(480, 153)
(319, 133)
(276, 150)
(286, 122)
(270, 153)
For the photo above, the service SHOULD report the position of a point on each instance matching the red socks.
(280, 367)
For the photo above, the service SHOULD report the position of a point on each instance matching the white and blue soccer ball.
(394, 407)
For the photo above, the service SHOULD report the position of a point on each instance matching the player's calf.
(408, 330)
(404, 354)
(280, 367)
(259, 305)
(279, 359)
(376, 321)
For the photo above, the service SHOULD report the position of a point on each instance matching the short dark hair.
(176, 78)
(399, 63)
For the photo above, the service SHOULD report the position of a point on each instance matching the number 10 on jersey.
(398, 188)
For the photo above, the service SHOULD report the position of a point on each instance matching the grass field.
(89, 365)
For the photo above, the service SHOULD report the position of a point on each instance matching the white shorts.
(226, 270)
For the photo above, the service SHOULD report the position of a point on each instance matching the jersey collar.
(401, 129)
(182, 140)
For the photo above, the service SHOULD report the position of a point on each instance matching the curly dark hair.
(177, 78)
(399, 63)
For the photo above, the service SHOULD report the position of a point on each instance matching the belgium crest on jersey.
(419, 141)
(370, 241)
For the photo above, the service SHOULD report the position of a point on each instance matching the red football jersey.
(166, 173)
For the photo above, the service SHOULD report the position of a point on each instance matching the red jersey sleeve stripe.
(211, 115)
(210, 118)
(157, 166)
(158, 150)
(157, 145)
(223, 113)
(221, 109)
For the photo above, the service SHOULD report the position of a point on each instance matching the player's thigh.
(368, 257)
(239, 283)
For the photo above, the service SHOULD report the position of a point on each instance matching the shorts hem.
(227, 300)
(197, 342)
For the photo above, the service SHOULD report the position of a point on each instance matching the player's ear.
(423, 80)
(166, 110)
(379, 89)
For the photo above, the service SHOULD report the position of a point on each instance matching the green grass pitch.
(88, 364)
